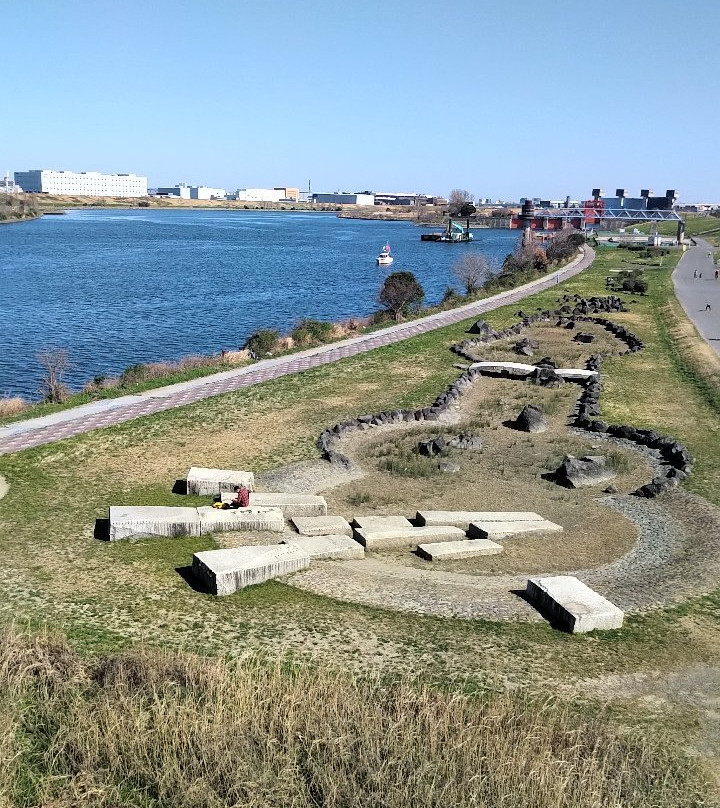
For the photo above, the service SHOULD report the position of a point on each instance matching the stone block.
(575, 606)
(374, 539)
(213, 520)
(329, 547)
(224, 572)
(462, 519)
(380, 522)
(465, 548)
(322, 526)
(576, 374)
(290, 504)
(496, 531)
(128, 522)
(212, 482)
(517, 368)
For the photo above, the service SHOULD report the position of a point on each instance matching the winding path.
(68, 423)
(696, 287)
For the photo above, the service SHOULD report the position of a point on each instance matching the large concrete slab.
(573, 604)
(213, 520)
(376, 522)
(322, 526)
(131, 521)
(212, 482)
(290, 504)
(329, 547)
(462, 519)
(576, 374)
(499, 367)
(224, 572)
(496, 531)
(406, 536)
(467, 548)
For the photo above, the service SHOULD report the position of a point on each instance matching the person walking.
(707, 307)
(717, 274)
(695, 274)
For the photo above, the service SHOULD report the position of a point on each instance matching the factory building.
(83, 183)
(344, 199)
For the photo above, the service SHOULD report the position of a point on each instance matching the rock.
(580, 472)
(470, 443)
(611, 489)
(447, 467)
(431, 447)
(582, 336)
(390, 538)
(465, 548)
(531, 419)
(547, 377)
(376, 522)
(328, 546)
(462, 519)
(211, 482)
(573, 604)
(484, 329)
(497, 531)
(546, 362)
(321, 526)
(526, 346)
(129, 522)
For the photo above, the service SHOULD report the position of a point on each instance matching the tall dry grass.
(150, 729)
(11, 405)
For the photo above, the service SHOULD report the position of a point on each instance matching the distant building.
(205, 192)
(291, 194)
(181, 190)
(259, 194)
(84, 183)
(344, 199)
(8, 186)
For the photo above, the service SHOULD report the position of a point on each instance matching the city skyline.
(503, 102)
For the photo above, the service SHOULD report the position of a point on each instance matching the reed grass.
(12, 405)
(147, 728)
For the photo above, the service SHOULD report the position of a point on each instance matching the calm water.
(120, 287)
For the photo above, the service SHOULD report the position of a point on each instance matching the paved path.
(75, 421)
(695, 293)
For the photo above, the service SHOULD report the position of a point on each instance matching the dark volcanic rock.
(531, 419)
(579, 472)
(431, 447)
(546, 377)
(448, 467)
(471, 443)
(583, 336)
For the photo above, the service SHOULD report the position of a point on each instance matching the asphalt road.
(697, 288)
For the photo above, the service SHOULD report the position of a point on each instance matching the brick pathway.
(68, 423)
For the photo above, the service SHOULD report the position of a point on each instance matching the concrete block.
(496, 531)
(127, 522)
(328, 547)
(467, 548)
(212, 482)
(388, 539)
(213, 520)
(462, 519)
(224, 572)
(322, 526)
(290, 504)
(380, 522)
(499, 367)
(576, 374)
(575, 606)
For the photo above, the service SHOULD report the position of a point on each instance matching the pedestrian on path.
(707, 307)
(700, 276)
(695, 274)
(717, 274)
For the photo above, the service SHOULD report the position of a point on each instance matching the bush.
(11, 405)
(451, 297)
(401, 293)
(311, 332)
(263, 342)
(55, 363)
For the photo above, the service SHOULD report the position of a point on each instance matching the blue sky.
(504, 99)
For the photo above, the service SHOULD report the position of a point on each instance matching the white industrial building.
(84, 183)
(205, 192)
(259, 194)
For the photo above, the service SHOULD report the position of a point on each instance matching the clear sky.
(505, 99)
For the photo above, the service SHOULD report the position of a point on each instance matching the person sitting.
(242, 497)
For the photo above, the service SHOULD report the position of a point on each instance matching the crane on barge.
(454, 233)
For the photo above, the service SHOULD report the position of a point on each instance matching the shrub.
(401, 293)
(11, 405)
(471, 271)
(311, 332)
(263, 342)
(451, 296)
(55, 363)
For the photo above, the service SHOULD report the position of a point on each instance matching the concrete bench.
(462, 519)
(328, 547)
(373, 539)
(380, 522)
(576, 374)
(212, 482)
(519, 368)
(213, 520)
(290, 504)
(224, 572)
(496, 531)
(127, 522)
(321, 526)
(573, 604)
(467, 548)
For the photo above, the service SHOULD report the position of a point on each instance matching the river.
(119, 287)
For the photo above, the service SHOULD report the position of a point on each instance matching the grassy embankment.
(106, 597)
(18, 207)
(707, 227)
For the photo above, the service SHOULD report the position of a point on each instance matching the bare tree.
(401, 292)
(458, 197)
(55, 364)
(471, 271)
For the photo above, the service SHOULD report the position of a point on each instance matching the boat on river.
(385, 259)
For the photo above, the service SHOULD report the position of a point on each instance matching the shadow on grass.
(180, 487)
(544, 613)
(186, 574)
(102, 530)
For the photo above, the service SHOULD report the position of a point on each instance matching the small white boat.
(385, 259)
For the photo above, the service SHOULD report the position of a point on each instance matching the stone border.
(671, 451)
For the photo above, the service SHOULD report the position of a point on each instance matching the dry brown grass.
(151, 729)
(12, 405)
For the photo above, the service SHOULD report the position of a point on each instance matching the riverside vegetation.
(106, 723)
